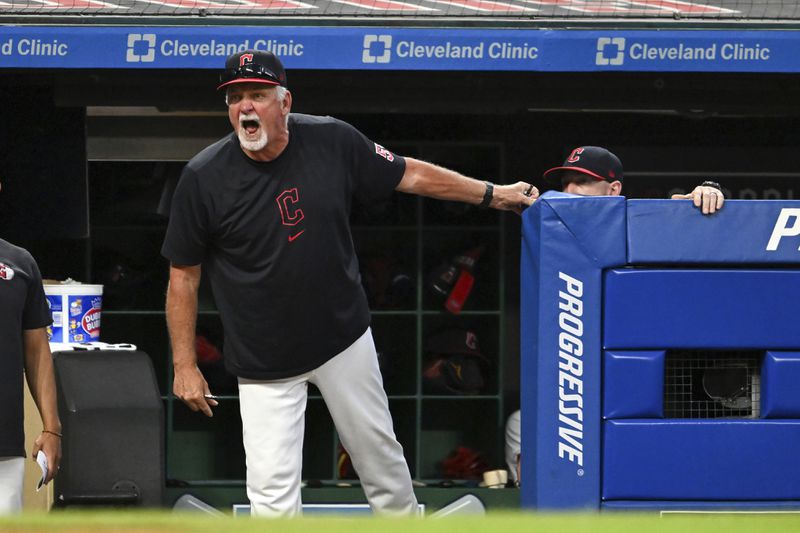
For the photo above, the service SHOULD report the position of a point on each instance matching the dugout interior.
(89, 152)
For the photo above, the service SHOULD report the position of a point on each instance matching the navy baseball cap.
(253, 66)
(591, 160)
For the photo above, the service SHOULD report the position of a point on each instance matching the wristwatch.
(713, 184)
(487, 196)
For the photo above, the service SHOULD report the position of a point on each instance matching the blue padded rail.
(712, 284)
(633, 384)
(738, 460)
(743, 231)
(780, 385)
(737, 309)
(567, 242)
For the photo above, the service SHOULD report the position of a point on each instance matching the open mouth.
(250, 123)
(252, 136)
(250, 126)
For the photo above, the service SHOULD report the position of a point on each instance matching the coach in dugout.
(24, 350)
(264, 213)
(594, 171)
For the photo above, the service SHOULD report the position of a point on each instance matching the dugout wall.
(659, 354)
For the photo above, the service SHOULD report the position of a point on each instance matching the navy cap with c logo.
(253, 66)
(591, 160)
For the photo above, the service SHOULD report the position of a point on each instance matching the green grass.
(505, 522)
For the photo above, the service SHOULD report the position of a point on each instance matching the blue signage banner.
(370, 48)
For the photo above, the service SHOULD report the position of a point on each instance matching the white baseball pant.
(513, 447)
(12, 472)
(273, 422)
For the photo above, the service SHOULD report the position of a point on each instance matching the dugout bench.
(660, 355)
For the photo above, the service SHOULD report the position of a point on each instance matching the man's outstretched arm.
(426, 179)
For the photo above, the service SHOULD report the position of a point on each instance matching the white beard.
(252, 146)
(247, 142)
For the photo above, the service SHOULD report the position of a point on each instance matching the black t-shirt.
(22, 306)
(274, 239)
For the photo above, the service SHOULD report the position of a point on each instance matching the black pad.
(113, 425)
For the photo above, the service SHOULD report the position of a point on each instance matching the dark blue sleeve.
(378, 171)
(187, 231)
(36, 313)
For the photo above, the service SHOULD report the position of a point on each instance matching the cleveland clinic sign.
(371, 48)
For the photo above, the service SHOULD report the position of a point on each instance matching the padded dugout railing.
(614, 292)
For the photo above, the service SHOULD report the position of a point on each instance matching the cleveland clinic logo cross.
(139, 43)
(377, 49)
(610, 51)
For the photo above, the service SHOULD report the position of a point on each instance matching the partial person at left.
(24, 351)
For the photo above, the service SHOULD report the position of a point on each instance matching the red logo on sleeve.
(6, 272)
(384, 153)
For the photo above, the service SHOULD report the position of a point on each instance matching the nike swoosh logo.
(293, 237)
